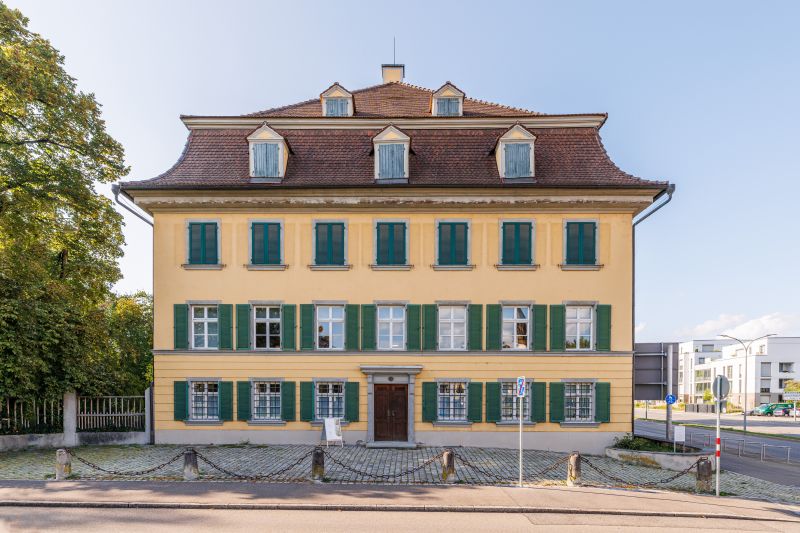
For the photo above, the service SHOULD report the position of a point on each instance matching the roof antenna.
(394, 50)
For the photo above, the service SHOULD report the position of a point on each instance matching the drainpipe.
(116, 190)
(669, 191)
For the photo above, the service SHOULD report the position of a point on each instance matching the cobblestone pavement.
(356, 464)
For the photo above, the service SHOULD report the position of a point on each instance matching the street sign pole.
(719, 409)
(521, 390)
(721, 388)
(669, 392)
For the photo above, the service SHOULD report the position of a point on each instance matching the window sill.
(320, 423)
(330, 267)
(266, 267)
(454, 423)
(188, 266)
(265, 179)
(515, 423)
(580, 267)
(517, 267)
(580, 424)
(391, 267)
(453, 267)
(266, 422)
(391, 181)
(203, 422)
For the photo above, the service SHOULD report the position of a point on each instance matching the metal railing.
(19, 416)
(111, 413)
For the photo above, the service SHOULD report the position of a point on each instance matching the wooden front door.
(391, 412)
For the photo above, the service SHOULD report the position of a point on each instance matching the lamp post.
(746, 353)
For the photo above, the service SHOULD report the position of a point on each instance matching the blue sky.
(704, 94)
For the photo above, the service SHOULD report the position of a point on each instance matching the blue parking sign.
(670, 399)
(521, 387)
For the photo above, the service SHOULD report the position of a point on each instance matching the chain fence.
(271, 476)
(125, 473)
(642, 484)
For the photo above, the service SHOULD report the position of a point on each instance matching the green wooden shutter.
(368, 326)
(603, 313)
(351, 401)
(180, 325)
(351, 327)
(243, 400)
(475, 402)
(307, 401)
(225, 326)
(602, 398)
(475, 324)
(288, 401)
(430, 327)
(242, 326)
(494, 326)
(288, 312)
(413, 327)
(306, 326)
(589, 254)
(538, 402)
(180, 399)
(226, 400)
(493, 401)
(557, 333)
(556, 401)
(539, 327)
(429, 401)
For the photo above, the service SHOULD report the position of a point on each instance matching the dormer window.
(268, 155)
(337, 102)
(391, 155)
(515, 156)
(448, 101)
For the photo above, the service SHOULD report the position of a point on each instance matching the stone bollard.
(704, 475)
(190, 469)
(318, 464)
(574, 470)
(63, 464)
(448, 466)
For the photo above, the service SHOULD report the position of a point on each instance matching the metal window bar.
(111, 413)
(452, 401)
(266, 400)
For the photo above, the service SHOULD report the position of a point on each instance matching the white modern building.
(770, 363)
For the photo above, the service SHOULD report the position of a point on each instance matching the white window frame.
(452, 395)
(452, 322)
(527, 401)
(331, 396)
(331, 321)
(393, 323)
(270, 396)
(205, 394)
(391, 135)
(515, 135)
(515, 321)
(578, 322)
(578, 395)
(266, 135)
(336, 91)
(267, 321)
(503, 145)
(378, 160)
(448, 90)
(454, 97)
(281, 156)
(205, 320)
(348, 112)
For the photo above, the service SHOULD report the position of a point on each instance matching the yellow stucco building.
(394, 257)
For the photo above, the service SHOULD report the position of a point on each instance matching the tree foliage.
(59, 239)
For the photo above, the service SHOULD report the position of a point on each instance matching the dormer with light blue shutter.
(392, 148)
(515, 154)
(447, 101)
(268, 155)
(337, 102)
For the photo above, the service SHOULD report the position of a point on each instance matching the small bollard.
(448, 466)
(63, 464)
(704, 475)
(190, 469)
(574, 470)
(318, 464)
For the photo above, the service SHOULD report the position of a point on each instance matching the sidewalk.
(308, 496)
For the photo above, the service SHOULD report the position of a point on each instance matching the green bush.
(629, 442)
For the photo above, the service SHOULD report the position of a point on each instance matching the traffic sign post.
(670, 399)
(721, 388)
(792, 397)
(521, 391)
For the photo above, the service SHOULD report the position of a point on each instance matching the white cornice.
(550, 121)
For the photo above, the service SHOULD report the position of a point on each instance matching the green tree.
(792, 386)
(131, 329)
(59, 239)
(707, 396)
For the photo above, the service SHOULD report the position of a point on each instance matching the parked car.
(768, 409)
(786, 411)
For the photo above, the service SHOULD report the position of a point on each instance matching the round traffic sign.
(721, 387)
(670, 399)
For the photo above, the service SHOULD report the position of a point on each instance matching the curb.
(376, 507)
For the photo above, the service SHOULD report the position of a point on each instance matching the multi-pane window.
(266, 160)
(581, 240)
(267, 327)
(447, 107)
(330, 327)
(329, 400)
(765, 384)
(509, 403)
(204, 400)
(578, 402)
(517, 243)
(391, 161)
(579, 327)
(785, 367)
(452, 327)
(203, 243)
(266, 243)
(336, 107)
(391, 243)
(391, 327)
(266, 400)
(517, 160)
(452, 397)
(766, 370)
(329, 243)
(205, 326)
(453, 243)
(516, 324)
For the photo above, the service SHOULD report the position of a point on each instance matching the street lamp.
(746, 352)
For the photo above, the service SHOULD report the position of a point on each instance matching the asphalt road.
(778, 425)
(19, 519)
(774, 469)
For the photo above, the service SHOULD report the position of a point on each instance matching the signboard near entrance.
(791, 396)
(332, 431)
